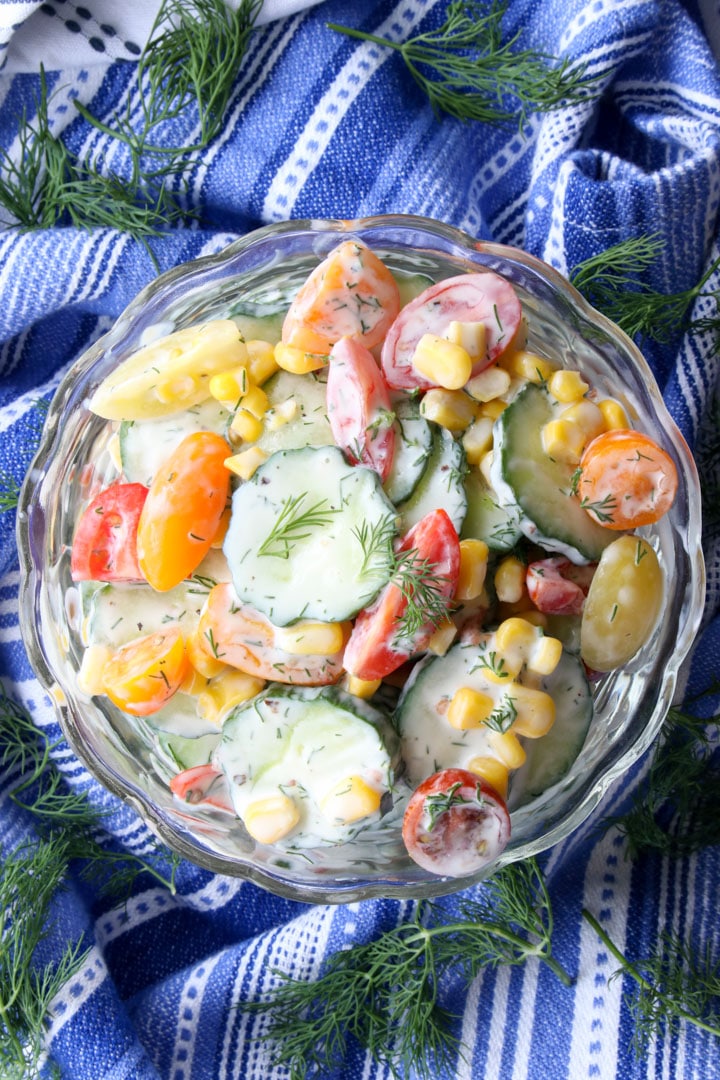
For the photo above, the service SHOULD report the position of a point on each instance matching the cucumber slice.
(310, 425)
(188, 753)
(550, 758)
(180, 717)
(410, 285)
(441, 485)
(146, 444)
(486, 519)
(413, 446)
(305, 744)
(258, 327)
(294, 543)
(524, 476)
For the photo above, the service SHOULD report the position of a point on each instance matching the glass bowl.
(263, 269)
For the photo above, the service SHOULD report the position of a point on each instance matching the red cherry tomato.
(377, 644)
(105, 543)
(455, 824)
(202, 784)
(358, 405)
(484, 297)
(556, 587)
(183, 510)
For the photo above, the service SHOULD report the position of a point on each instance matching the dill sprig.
(612, 282)
(386, 993)
(677, 810)
(426, 602)
(468, 72)
(674, 985)
(9, 492)
(295, 523)
(376, 542)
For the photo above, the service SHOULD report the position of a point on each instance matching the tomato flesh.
(143, 675)
(455, 824)
(553, 588)
(359, 408)
(104, 547)
(626, 480)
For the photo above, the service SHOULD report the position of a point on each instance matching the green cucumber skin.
(541, 487)
(441, 485)
(486, 519)
(413, 446)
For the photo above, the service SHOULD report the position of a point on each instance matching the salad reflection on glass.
(355, 564)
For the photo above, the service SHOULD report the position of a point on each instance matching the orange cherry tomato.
(350, 294)
(144, 674)
(626, 480)
(183, 509)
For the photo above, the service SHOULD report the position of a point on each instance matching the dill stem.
(362, 36)
(630, 969)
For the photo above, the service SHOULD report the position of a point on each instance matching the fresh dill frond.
(674, 985)
(426, 600)
(468, 72)
(295, 523)
(9, 492)
(386, 994)
(376, 544)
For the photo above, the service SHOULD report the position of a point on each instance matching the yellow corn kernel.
(469, 708)
(587, 416)
(269, 820)
(485, 466)
(362, 688)
(228, 387)
(614, 415)
(567, 385)
(478, 439)
(508, 747)
(509, 579)
(309, 638)
(452, 409)
(200, 658)
(246, 426)
(193, 683)
(176, 389)
(527, 365)
(255, 401)
(350, 800)
(442, 361)
(297, 361)
(442, 637)
(113, 449)
(535, 711)
(515, 634)
(492, 771)
(537, 618)
(491, 383)
(473, 567)
(225, 692)
(261, 362)
(89, 677)
(223, 526)
(522, 642)
(281, 414)
(246, 462)
(493, 409)
(471, 336)
(563, 440)
(545, 655)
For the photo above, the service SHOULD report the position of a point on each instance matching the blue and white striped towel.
(321, 126)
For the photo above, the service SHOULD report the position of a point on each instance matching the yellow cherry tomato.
(183, 509)
(144, 674)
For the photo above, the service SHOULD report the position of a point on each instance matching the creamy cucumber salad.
(360, 561)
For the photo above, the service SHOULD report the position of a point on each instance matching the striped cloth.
(321, 126)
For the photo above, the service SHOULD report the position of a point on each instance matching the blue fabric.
(321, 126)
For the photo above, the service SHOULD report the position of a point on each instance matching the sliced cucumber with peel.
(309, 424)
(146, 444)
(441, 485)
(486, 519)
(413, 445)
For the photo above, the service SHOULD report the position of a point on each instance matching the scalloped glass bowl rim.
(189, 275)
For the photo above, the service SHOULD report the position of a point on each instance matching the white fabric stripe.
(214, 895)
(366, 59)
(10, 414)
(498, 1024)
(73, 995)
(663, 94)
(137, 910)
(191, 1000)
(595, 12)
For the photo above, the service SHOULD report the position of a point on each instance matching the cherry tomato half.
(144, 674)
(105, 543)
(557, 587)
(378, 644)
(183, 509)
(358, 407)
(455, 824)
(626, 480)
(202, 784)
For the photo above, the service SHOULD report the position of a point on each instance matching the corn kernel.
(177, 389)
(452, 409)
(269, 820)
(522, 642)
(478, 439)
(527, 365)
(545, 655)
(509, 579)
(587, 416)
(493, 409)
(193, 683)
(491, 383)
(246, 463)
(473, 567)
(485, 466)
(492, 771)
(246, 426)
(563, 440)
(223, 526)
(362, 688)
(200, 658)
(567, 386)
(225, 692)
(442, 637)
(310, 638)
(255, 401)
(281, 414)
(535, 711)
(261, 362)
(443, 362)
(614, 415)
(471, 336)
(228, 387)
(515, 634)
(350, 800)
(290, 358)
(469, 708)
(507, 747)
(89, 677)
